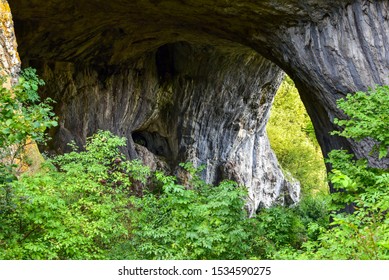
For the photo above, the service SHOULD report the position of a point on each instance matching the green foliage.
(281, 226)
(367, 116)
(292, 138)
(364, 234)
(82, 206)
(195, 222)
(209, 222)
(279, 232)
(23, 116)
(71, 213)
(103, 161)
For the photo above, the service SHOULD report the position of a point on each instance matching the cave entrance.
(154, 142)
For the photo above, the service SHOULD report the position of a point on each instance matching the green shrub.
(23, 116)
(193, 222)
(367, 117)
(280, 233)
(364, 234)
(76, 212)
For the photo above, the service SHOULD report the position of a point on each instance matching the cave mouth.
(154, 142)
(312, 42)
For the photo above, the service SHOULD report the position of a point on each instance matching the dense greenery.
(73, 211)
(82, 205)
(199, 222)
(23, 118)
(292, 138)
(368, 116)
(95, 204)
(365, 233)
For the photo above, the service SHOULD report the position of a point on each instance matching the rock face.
(9, 58)
(174, 106)
(341, 52)
(193, 80)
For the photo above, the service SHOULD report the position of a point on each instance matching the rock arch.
(184, 73)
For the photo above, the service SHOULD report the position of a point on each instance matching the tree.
(23, 118)
(363, 234)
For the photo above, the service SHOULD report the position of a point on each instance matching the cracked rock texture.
(194, 79)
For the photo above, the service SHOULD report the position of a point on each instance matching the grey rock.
(175, 106)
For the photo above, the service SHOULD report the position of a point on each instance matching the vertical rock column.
(9, 58)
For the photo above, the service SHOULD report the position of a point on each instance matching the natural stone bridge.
(193, 80)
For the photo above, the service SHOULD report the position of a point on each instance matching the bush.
(193, 222)
(367, 117)
(71, 213)
(23, 117)
(365, 233)
(280, 233)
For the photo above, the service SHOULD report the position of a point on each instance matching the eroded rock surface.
(174, 106)
(341, 52)
(9, 71)
(9, 58)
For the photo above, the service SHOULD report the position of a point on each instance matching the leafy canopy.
(364, 234)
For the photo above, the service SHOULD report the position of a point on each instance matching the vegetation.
(73, 211)
(365, 233)
(199, 222)
(23, 118)
(368, 117)
(95, 204)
